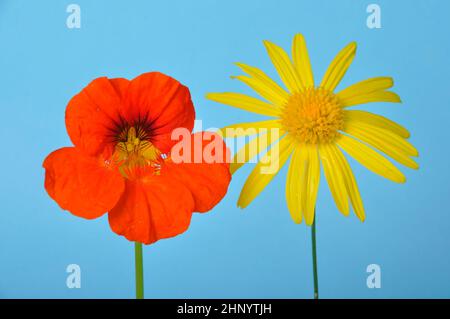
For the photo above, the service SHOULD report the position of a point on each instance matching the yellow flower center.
(134, 149)
(313, 116)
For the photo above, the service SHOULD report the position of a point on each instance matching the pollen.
(134, 149)
(313, 116)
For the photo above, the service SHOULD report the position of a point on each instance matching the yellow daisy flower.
(316, 126)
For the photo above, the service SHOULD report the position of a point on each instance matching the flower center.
(134, 149)
(313, 116)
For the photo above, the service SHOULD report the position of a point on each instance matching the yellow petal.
(378, 96)
(376, 120)
(370, 159)
(335, 178)
(249, 128)
(301, 61)
(339, 67)
(350, 182)
(263, 85)
(309, 182)
(386, 136)
(365, 87)
(265, 170)
(244, 102)
(293, 193)
(385, 141)
(284, 67)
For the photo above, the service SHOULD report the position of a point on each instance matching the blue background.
(258, 252)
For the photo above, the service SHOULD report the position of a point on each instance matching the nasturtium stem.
(139, 270)
(314, 257)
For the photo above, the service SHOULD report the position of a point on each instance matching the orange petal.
(93, 114)
(165, 102)
(152, 208)
(208, 178)
(120, 85)
(86, 186)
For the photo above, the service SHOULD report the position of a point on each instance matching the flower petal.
(309, 180)
(162, 101)
(367, 86)
(293, 193)
(339, 67)
(301, 61)
(265, 170)
(335, 178)
(283, 64)
(376, 120)
(86, 186)
(152, 208)
(343, 167)
(377, 96)
(387, 142)
(302, 183)
(370, 159)
(207, 179)
(93, 114)
(263, 85)
(244, 102)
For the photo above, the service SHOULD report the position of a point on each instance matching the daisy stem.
(314, 257)
(139, 270)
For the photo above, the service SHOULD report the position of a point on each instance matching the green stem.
(139, 270)
(314, 257)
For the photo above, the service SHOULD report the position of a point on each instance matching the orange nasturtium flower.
(121, 161)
